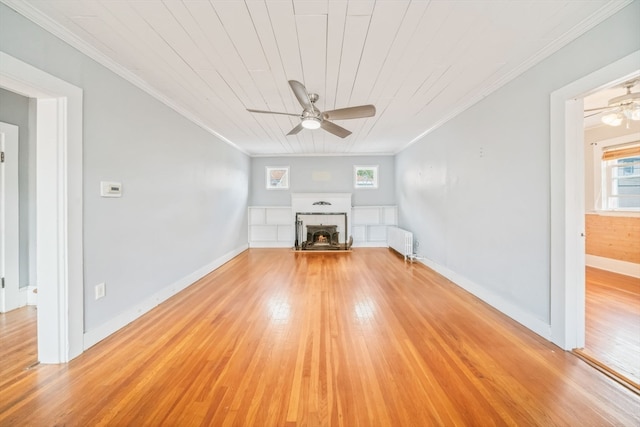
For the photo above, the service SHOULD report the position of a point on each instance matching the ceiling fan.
(619, 108)
(312, 118)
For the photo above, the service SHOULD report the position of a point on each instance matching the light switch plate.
(110, 189)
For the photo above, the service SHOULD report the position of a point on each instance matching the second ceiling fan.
(312, 118)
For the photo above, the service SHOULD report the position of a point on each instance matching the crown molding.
(324, 155)
(53, 27)
(582, 27)
(65, 35)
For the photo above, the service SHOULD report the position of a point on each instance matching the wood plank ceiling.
(419, 62)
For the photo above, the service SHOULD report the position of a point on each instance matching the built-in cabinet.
(270, 227)
(369, 224)
(273, 226)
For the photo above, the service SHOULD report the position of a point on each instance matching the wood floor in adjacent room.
(612, 324)
(278, 338)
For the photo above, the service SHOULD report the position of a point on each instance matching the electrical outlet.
(100, 290)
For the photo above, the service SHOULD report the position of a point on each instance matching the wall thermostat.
(110, 189)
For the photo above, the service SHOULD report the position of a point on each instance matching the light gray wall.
(185, 192)
(326, 174)
(475, 192)
(14, 109)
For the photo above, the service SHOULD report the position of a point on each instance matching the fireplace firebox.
(320, 236)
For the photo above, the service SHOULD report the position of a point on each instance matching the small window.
(365, 176)
(277, 177)
(621, 178)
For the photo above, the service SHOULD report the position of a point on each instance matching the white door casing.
(10, 295)
(567, 199)
(59, 207)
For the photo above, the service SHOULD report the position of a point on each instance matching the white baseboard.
(506, 307)
(613, 265)
(290, 245)
(370, 244)
(103, 331)
(32, 295)
(270, 244)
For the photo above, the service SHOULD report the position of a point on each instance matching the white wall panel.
(278, 216)
(377, 233)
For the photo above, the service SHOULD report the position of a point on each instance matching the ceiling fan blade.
(350, 113)
(599, 109)
(295, 130)
(591, 115)
(334, 129)
(272, 112)
(301, 93)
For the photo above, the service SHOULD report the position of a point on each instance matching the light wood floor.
(612, 322)
(277, 338)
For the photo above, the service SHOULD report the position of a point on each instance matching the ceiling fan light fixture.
(635, 113)
(311, 123)
(612, 119)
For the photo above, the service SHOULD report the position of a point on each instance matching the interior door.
(10, 295)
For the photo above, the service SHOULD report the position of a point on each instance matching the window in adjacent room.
(365, 176)
(277, 177)
(620, 171)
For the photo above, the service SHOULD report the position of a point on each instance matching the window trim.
(374, 168)
(601, 172)
(281, 186)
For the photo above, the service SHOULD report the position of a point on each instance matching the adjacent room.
(320, 212)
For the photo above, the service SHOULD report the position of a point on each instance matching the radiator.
(400, 241)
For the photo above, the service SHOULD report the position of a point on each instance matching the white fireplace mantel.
(304, 202)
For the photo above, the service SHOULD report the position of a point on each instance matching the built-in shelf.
(270, 227)
(273, 226)
(369, 224)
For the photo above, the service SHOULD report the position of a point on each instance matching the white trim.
(370, 245)
(614, 265)
(619, 212)
(359, 154)
(10, 297)
(59, 213)
(605, 12)
(270, 244)
(567, 189)
(44, 21)
(32, 295)
(376, 172)
(515, 312)
(96, 335)
(267, 177)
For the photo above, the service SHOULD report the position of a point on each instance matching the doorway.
(568, 199)
(612, 286)
(567, 276)
(59, 206)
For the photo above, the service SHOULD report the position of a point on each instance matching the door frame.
(11, 297)
(59, 207)
(567, 255)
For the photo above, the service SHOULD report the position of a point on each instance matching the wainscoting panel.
(615, 238)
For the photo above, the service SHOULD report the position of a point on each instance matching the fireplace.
(322, 235)
(321, 221)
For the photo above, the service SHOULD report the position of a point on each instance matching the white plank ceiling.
(419, 62)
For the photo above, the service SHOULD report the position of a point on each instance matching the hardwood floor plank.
(612, 323)
(273, 338)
